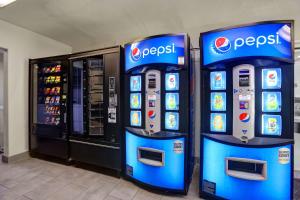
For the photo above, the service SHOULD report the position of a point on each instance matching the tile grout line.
(138, 189)
(108, 194)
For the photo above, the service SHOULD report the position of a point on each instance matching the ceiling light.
(5, 2)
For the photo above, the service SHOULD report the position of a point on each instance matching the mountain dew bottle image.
(135, 101)
(218, 102)
(272, 103)
(172, 101)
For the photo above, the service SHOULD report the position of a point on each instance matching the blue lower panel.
(169, 176)
(276, 186)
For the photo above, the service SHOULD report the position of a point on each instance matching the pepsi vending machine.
(247, 78)
(158, 112)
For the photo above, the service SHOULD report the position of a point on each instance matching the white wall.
(1, 98)
(297, 72)
(22, 45)
(197, 103)
(297, 94)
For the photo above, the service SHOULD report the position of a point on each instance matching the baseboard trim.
(297, 174)
(16, 158)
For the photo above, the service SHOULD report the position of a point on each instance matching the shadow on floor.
(297, 189)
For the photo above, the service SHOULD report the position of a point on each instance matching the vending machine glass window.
(95, 94)
(88, 82)
(78, 97)
(49, 94)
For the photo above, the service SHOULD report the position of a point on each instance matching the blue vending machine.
(247, 110)
(158, 87)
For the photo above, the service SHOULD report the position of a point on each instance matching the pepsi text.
(159, 50)
(257, 42)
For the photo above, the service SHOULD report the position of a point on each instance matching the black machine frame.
(45, 145)
(101, 151)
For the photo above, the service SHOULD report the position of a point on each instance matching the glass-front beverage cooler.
(48, 95)
(95, 112)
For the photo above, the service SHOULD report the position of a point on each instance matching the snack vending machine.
(158, 105)
(48, 93)
(247, 79)
(95, 136)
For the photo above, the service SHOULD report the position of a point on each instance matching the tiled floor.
(297, 189)
(36, 179)
(41, 180)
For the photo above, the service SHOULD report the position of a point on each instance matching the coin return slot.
(248, 169)
(150, 156)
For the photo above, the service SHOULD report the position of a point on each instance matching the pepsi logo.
(222, 45)
(244, 117)
(135, 54)
(218, 77)
(151, 114)
(272, 76)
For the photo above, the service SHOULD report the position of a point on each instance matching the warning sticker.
(178, 146)
(284, 155)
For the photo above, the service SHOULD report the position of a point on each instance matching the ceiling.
(90, 24)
